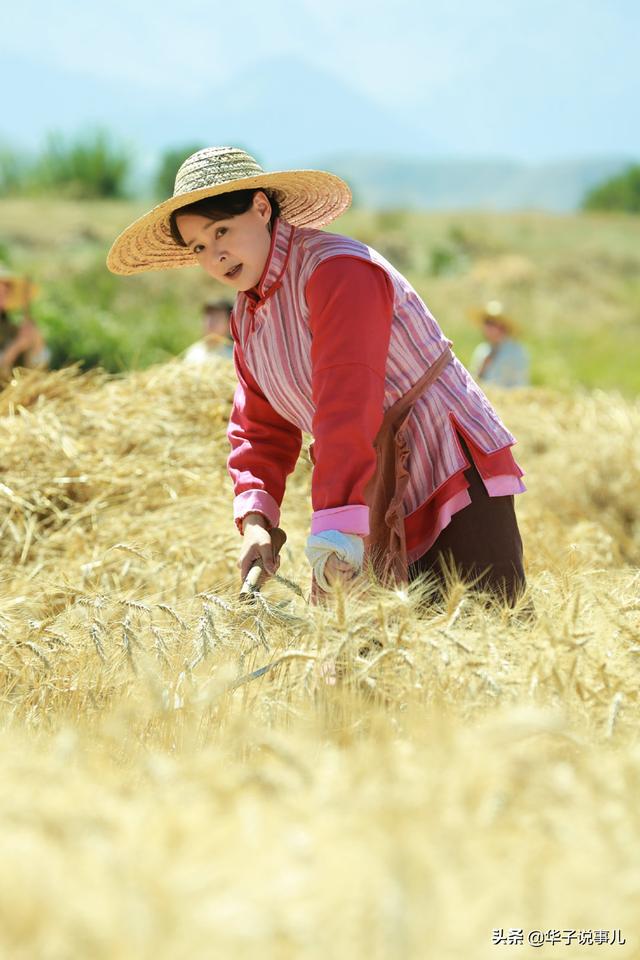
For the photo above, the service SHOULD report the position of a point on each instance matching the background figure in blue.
(501, 360)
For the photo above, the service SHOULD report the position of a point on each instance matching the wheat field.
(470, 770)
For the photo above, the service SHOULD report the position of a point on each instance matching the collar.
(276, 264)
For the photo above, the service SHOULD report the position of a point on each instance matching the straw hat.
(21, 291)
(493, 311)
(309, 198)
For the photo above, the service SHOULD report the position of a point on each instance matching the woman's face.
(494, 332)
(235, 250)
(216, 323)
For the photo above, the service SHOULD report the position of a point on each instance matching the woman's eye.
(198, 248)
(220, 232)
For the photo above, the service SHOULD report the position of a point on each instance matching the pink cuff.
(504, 485)
(255, 501)
(353, 518)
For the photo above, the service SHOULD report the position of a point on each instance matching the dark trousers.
(482, 542)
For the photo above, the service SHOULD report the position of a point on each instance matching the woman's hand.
(257, 545)
(336, 570)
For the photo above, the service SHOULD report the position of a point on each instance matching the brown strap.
(406, 402)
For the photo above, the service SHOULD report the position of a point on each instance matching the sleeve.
(351, 310)
(264, 449)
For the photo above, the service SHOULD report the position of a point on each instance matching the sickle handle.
(255, 577)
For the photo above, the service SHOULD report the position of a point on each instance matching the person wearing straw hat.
(21, 344)
(501, 360)
(216, 340)
(413, 468)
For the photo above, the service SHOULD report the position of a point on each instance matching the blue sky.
(515, 78)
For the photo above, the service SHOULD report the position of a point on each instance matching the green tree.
(619, 193)
(89, 167)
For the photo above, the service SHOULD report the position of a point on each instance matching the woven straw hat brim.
(307, 198)
(22, 290)
(479, 315)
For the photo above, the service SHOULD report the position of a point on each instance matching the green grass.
(572, 282)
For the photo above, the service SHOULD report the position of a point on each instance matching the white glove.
(347, 546)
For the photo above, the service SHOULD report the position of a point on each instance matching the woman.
(21, 344)
(501, 360)
(413, 467)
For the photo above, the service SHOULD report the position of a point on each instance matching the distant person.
(21, 342)
(501, 360)
(216, 335)
(412, 466)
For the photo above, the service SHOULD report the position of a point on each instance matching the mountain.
(283, 109)
(292, 111)
(431, 183)
(287, 113)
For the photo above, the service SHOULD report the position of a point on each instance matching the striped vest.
(275, 340)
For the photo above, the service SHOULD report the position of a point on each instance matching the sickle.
(256, 576)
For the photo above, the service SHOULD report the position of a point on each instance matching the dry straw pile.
(470, 770)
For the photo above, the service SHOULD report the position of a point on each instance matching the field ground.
(572, 283)
(474, 769)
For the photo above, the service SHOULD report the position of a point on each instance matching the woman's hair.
(221, 208)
